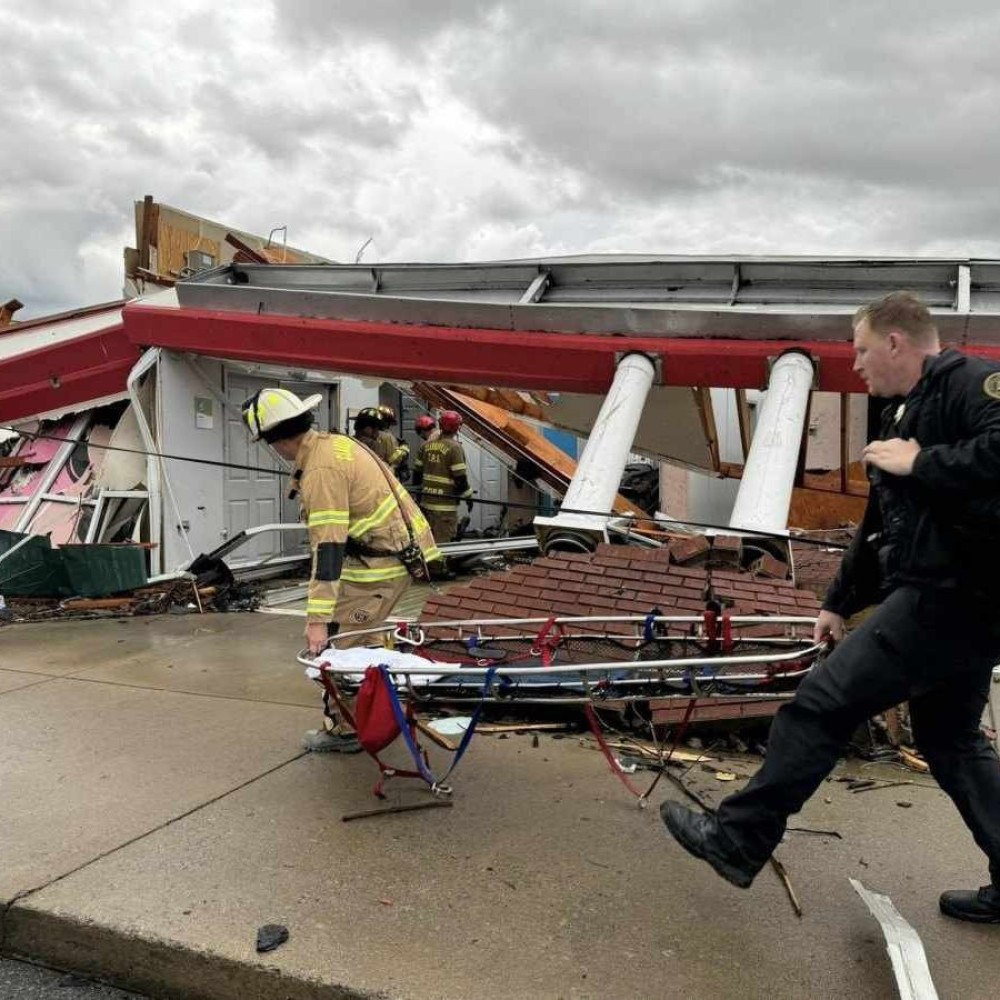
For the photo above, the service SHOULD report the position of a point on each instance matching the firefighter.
(368, 429)
(440, 475)
(397, 452)
(364, 529)
(928, 553)
(426, 427)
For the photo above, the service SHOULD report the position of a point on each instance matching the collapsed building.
(723, 385)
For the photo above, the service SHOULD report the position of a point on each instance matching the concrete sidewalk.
(156, 808)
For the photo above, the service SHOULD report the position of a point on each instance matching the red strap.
(547, 645)
(727, 632)
(711, 630)
(616, 768)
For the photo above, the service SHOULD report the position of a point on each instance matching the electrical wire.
(558, 508)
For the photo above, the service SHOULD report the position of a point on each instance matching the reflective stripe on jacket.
(346, 494)
(390, 449)
(445, 473)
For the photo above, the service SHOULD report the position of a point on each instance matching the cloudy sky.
(469, 129)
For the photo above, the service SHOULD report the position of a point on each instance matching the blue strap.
(404, 725)
(411, 744)
(647, 627)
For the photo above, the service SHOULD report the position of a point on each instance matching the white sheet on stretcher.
(360, 658)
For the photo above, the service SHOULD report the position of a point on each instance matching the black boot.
(978, 906)
(699, 834)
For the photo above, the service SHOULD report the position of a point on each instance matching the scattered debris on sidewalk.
(906, 951)
(408, 807)
(40, 582)
(271, 936)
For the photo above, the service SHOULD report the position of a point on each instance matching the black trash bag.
(211, 572)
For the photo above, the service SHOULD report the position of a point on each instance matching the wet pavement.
(157, 809)
(21, 981)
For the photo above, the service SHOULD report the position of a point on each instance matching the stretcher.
(378, 679)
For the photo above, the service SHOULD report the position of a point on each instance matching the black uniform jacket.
(940, 526)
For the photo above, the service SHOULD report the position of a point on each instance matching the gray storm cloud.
(461, 130)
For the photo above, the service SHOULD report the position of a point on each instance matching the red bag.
(376, 722)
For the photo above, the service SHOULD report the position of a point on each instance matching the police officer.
(928, 549)
(362, 526)
(440, 474)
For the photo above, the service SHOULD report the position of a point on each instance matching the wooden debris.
(818, 833)
(911, 759)
(893, 725)
(523, 727)
(643, 748)
(787, 883)
(96, 603)
(435, 737)
(884, 784)
(385, 810)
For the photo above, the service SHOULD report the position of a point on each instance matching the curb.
(155, 966)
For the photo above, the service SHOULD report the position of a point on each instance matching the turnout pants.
(361, 606)
(920, 646)
(444, 524)
(364, 606)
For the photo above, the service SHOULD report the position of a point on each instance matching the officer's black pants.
(917, 646)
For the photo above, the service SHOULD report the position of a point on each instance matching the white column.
(599, 471)
(765, 491)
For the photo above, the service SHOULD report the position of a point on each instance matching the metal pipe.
(765, 492)
(599, 470)
(143, 365)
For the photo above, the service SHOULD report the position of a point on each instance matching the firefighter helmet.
(449, 421)
(387, 415)
(269, 407)
(425, 422)
(368, 417)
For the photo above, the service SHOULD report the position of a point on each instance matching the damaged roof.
(616, 580)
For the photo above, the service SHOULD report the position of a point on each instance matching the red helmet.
(424, 422)
(449, 421)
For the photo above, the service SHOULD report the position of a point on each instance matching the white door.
(251, 493)
(488, 479)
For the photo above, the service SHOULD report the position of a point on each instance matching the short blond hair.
(903, 311)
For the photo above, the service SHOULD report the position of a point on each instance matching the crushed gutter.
(906, 951)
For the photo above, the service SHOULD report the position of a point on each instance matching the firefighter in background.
(426, 427)
(366, 533)
(367, 428)
(398, 452)
(441, 478)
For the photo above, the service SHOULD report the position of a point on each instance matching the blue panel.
(563, 440)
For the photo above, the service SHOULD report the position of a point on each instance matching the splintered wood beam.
(743, 417)
(703, 400)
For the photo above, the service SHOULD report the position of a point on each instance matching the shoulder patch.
(991, 385)
(343, 448)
